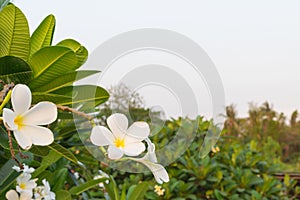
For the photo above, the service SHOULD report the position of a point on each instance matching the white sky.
(255, 45)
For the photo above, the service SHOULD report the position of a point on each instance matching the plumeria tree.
(41, 118)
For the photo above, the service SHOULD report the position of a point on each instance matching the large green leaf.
(51, 62)
(60, 178)
(42, 36)
(48, 160)
(14, 33)
(13, 69)
(55, 98)
(86, 186)
(80, 51)
(63, 152)
(65, 80)
(83, 94)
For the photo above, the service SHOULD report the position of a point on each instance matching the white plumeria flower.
(13, 195)
(121, 139)
(44, 192)
(25, 122)
(26, 169)
(25, 185)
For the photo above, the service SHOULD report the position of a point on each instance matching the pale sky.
(255, 45)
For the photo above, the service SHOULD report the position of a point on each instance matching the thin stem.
(79, 113)
(12, 149)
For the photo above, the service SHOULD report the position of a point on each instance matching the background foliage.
(251, 149)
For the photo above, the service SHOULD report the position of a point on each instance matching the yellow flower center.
(119, 143)
(23, 186)
(19, 121)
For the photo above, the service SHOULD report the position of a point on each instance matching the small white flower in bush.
(26, 169)
(44, 192)
(121, 139)
(25, 121)
(25, 184)
(27, 188)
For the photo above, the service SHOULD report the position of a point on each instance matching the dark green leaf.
(63, 152)
(13, 69)
(86, 186)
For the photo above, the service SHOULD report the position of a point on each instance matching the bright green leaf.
(14, 33)
(50, 63)
(65, 80)
(80, 51)
(43, 35)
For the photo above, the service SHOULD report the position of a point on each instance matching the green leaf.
(63, 195)
(80, 51)
(86, 186)
(13, 69)
(40, 150)
(88, 94)
(50, 63)
(48, 160)
(42, 36)
(138, 192)
(4, 140)
(55, 98)
(60, 178)
(65, 80)
(14, 33)
(111, 189)
(7, 175)
(63, 152)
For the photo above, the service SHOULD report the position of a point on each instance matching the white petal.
(139, 130)
(21, 98)
(101, 136)
(9, 117)
(30, 185)
(39, 135)
(159, 172)
(25, 196)
(42, 113)
(134, 149)
(23, 139)
(150, 155)
(114, 152)
(118, 124)
(12, 195)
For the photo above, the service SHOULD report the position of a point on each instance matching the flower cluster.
(158, 190)
(122, 140)
(27, 188)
